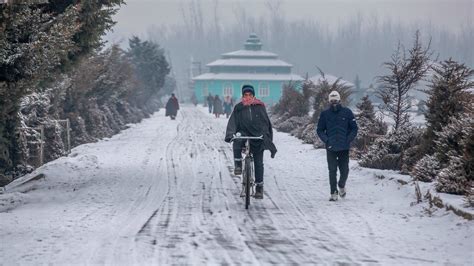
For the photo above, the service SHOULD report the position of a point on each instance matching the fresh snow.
(250, 53)
(250, 62)
(162, 192)
(248, 76)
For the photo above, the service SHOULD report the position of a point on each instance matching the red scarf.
(251, 101)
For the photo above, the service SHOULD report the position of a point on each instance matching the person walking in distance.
(227, 106)
(172, 107)
(337, 128)
(210, 102)
(217, 105)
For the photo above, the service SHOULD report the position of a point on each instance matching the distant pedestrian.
(217, 106)
(337, 128)
(194, 99)
(172, 107)
(210, 102)
(228, 106)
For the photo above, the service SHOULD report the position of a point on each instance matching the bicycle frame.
(248, 173)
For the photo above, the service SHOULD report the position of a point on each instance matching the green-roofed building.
(262, 69)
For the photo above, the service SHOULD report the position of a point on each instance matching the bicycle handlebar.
(246, 137)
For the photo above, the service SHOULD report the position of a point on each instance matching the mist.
(343, 38)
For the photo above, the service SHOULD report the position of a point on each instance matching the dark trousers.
(338, 159)
(257, 160)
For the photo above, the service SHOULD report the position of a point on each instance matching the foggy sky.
(138, 15)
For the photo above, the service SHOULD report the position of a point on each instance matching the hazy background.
(138, 15)
(344, 38)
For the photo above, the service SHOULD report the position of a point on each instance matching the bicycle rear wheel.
(246, 176)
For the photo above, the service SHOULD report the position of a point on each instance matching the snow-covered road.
(162, 192)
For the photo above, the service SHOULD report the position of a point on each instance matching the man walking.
(210, 102)
(337, 128)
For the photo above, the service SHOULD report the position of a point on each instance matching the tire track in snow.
(121, 247)
(173, 219)
(178, 233)
(204, 212)
(206, 232)
(287, 232)
(326, 240)
(267, 243)
(148, 237)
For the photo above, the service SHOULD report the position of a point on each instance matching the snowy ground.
(162, 192)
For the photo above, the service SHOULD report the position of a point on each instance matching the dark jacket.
(172, 107)
(218, 109)
(227, 107)
(337, 128)
(252, 120)
(210, 100)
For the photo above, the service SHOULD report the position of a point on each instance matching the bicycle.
(248, 173)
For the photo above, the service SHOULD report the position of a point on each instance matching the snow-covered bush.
(448, 142)
(469, 199)
(448, 97)
(388, 152)
(426, 169)
(370, 126)
(292, 124)
(378, 156)
(454, 152)
(453, 179)
(308, 135)
(292, 102)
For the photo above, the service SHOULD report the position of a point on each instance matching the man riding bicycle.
(250, 118)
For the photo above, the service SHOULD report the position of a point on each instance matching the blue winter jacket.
(337, 128)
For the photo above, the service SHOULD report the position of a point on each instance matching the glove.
(272, 154)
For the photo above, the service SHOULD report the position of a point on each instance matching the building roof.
(251, 56)
(331, 79)
(248, 76)
(249, 62)
(249, 53)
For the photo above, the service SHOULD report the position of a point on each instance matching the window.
(263, 90)
(228, 91)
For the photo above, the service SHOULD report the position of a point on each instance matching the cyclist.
(250, 118)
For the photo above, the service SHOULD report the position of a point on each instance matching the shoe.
(342, 192)
(237, 166)
(237, 170)
(333, 196)
(258, 192)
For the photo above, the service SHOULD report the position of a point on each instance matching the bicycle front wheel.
(246, 176)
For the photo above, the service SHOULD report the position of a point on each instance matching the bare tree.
(405, 71)
(217, 26)
(195, 22)
(241, 18)
(277, 26)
